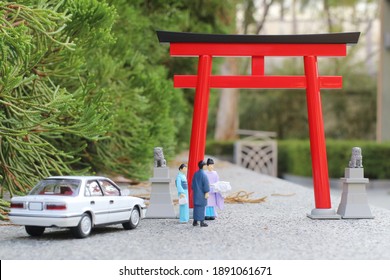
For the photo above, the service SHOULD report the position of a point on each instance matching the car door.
(119, 206)
(98, 203)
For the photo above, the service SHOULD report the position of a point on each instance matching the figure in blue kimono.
(200, 192)
(215, 198)
(182, 192)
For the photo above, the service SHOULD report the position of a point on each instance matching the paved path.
(276, 229)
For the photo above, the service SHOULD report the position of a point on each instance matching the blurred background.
(86, 88)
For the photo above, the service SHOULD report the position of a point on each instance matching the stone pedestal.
(161, 205)
(354, 203)
(323, 214)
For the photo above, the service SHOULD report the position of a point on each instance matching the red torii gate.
(309, 46)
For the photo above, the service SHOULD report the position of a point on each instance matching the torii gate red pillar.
(199, 118)
(205, 46)
(317, 134)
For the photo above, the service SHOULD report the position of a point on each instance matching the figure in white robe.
(215, 198)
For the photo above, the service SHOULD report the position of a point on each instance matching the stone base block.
(354, 172)
(161, 172)
(161, 205)
(161, 211)
(323, 214)
(354, 203)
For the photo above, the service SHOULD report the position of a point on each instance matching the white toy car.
(75, 202)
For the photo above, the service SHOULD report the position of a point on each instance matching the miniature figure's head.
(183, 168)
(210, 164)
(201, 164)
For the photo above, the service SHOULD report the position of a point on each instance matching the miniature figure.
(215, 197)
(200, 188)
(356, 158)
(159, 160)
(182, 191)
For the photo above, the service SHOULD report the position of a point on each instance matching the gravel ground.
(276, 229)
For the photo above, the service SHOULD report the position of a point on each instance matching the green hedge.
(294, 156)
(219, 148)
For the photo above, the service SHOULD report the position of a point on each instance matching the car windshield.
(65, 187)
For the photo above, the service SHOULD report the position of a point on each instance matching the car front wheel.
(84, 227)
(34, 230)
(133, 221)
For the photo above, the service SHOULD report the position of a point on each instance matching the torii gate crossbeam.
(310, 46)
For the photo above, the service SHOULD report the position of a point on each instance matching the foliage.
(44, 100)
(4, 205)
(148, 111)
(75, 72)
(220, 148)
(348, 113)
(294, 157)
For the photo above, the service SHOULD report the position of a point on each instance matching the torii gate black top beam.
(330, 38)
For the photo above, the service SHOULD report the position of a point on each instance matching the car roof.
(78, 177)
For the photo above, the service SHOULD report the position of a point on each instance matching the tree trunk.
(228, 115)
(227, 122)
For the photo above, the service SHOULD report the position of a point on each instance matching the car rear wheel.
(34, 230)
(84, 227)
(134, 219)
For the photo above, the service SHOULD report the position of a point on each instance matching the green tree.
(46, 96)
(148, 111)
(349, 112)
(85, 83)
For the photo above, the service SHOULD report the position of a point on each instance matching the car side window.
(109, 188)
(93, 189)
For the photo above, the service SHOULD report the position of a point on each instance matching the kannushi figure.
(200, 189)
